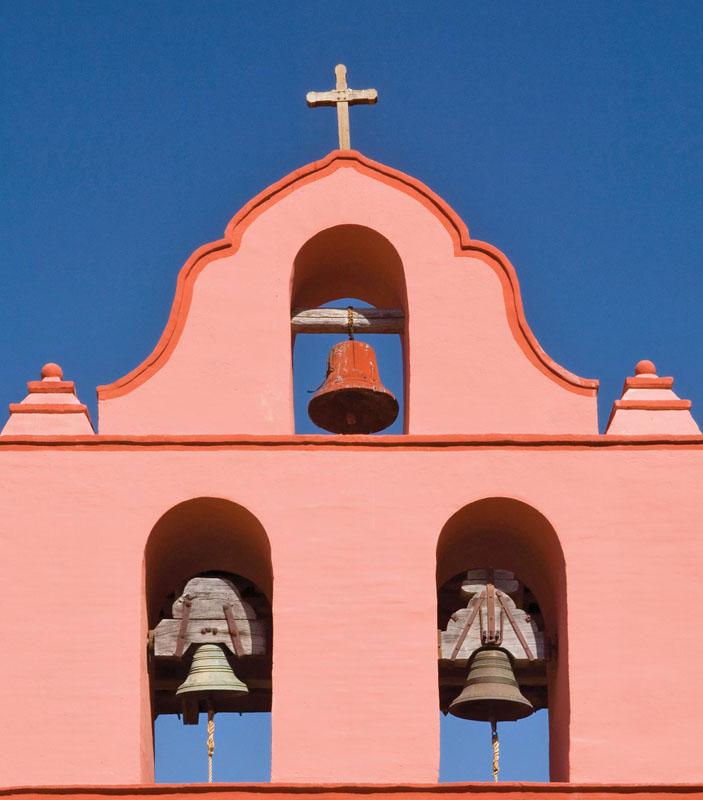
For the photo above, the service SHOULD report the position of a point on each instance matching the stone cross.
(342, 97)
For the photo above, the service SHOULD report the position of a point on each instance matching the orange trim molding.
(638, 382)
(48, 408)
(653, 405)
(51, 387)
(340, 159)
(235, 791)
(325, 442)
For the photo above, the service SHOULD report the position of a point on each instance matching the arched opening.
(507, 535)
(348, 261)
(348, 265)
(213, 556)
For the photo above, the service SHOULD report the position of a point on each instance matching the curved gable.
(223, 363)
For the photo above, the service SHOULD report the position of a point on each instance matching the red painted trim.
(647, 383)
(48, 408)
(313, 442)
(675, 404)
(653, 405)
(229, 790)
(337, 159)
(49, 387)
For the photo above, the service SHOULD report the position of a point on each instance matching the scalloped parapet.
(50, 409)
(341, 227)
(649, 405)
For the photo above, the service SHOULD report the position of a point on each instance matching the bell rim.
(479, 716)
(316, 406)
(221, 689)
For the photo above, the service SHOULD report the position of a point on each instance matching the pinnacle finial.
(645, 367)
(51, 370)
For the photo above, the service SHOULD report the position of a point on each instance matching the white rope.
(496, 750)
(210, 742)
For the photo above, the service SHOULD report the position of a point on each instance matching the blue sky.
(568, 134)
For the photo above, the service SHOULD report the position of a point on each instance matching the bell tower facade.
(194, 519)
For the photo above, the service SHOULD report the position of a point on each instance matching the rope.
(210, 742)
(350, 321)
(496, 750)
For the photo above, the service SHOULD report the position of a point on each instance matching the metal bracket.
(183, 629)
(233, 632)
(518, 632)
(469, 622)
(491, 636)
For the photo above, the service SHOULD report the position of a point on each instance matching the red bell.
(352, 398)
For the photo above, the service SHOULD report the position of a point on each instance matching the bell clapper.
(496, 749)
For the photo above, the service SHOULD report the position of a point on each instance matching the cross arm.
(354, 97)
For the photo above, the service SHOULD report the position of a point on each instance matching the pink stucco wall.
(352, 523)
(342, 528)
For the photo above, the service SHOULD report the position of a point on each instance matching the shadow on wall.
(201, 535)
(348, 261)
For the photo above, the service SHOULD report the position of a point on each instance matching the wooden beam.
(252, 636)
(336, 320)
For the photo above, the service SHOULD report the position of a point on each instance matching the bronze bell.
(210, 677)
(352, 398)
(491, 693)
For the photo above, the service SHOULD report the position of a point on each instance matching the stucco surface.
(353, 533)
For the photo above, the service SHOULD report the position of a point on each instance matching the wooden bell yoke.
(210, 620)
(336, 320)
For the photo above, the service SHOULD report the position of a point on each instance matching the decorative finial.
(645, 368)
(51, 370)
(649, 406)
(342, 97)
